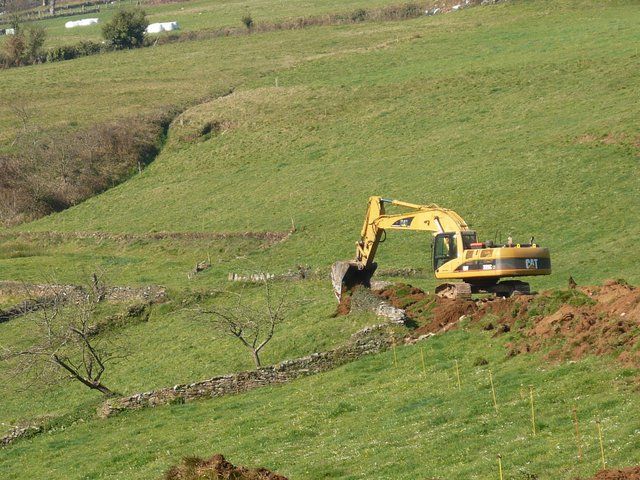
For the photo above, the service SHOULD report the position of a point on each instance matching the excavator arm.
(431, 218)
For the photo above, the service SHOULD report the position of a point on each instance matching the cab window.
(468, 238)
(444, 249)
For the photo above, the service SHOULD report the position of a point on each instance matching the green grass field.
(175, 330)
(201, 14)
(371, 420)
(521, 116)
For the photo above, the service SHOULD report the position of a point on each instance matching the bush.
(36, 36)
(248, 21)
(13, 50)
(359, 15)
(410, 10)
(126, 29)
(68, 52)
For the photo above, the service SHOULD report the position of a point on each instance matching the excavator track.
(463, 290)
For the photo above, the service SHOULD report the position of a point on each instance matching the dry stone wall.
(368, 341)
(149, 293)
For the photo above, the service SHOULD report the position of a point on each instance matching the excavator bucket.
(347, 275)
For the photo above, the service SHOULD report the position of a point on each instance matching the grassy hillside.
(85, 91)
(202, 14)
(371, 420)
(521, 116)
(512, 115)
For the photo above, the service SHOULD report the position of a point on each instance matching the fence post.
(604, 463)
(577, 428)
(493, 392)
(533, 412)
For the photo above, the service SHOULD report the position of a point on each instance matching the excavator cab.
(445, 246)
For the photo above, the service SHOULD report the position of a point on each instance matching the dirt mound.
(591, 320)
(630, 473)
(344, 306)
(430, 313)
(217, 468)
(568, 324)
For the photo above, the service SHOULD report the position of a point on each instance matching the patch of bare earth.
(629, 473)
(567, 324)
(217, 468)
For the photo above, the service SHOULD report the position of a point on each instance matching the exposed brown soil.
(629, 473)
(430, 313)
(568, 324)
(217, 468)
(610, 323)
(344, 306)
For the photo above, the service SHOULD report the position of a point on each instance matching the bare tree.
(66, 346)
(254, 326)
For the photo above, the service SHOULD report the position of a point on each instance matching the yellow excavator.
(457, 254)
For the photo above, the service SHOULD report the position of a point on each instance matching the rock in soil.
(569, 324)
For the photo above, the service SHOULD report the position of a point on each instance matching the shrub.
(359, 15)
(126, 29)
(36, 36)
(248, 21)
(68, 52)
(410, 10)
(13, 50)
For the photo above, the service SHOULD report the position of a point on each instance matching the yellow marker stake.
(578, 441)
(458, 375)
(500, 466)
(533, 413)
(424, 365)
(493, 392)
(604, 464)
(395, 355)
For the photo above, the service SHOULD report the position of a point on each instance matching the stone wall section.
(45, 295)
(367, 341)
